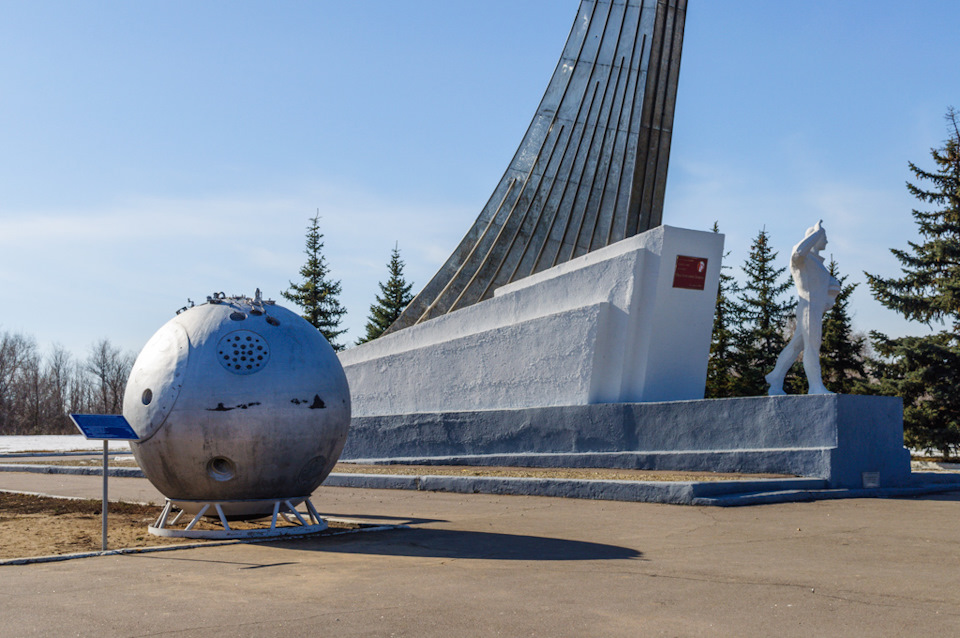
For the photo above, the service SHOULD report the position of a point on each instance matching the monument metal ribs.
(592, 167)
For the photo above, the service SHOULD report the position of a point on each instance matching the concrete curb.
(123, 472)
(56, 558)
(96, 453)
(633, 491)
(67, 498)
(170, 548)
(712, 493)
(27, 455)
(798, 496)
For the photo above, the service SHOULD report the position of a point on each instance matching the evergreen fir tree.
(841, 355)
(720, 380)
(763, 318)
(925, 371)
(393, 298)
(317, 294)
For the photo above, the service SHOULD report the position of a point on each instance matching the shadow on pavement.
(466, 545)
(941, 496)
(241, 565)
(393, 520)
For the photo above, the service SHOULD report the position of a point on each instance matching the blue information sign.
(108, 427)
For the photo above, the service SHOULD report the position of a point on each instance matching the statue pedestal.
(851, 441)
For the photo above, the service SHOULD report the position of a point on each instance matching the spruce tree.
(841, 354)
(317, 294)
(925, 371)
(393, 298)
(720, 380)
(763, 318)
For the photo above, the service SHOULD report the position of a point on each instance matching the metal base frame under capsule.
(300, 523)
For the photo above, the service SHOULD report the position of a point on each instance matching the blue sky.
(154, 151)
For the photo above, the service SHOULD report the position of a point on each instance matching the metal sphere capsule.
(237, 401)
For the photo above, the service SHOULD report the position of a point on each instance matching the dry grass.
(549, 472)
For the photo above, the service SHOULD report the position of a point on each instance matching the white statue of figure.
(818, 290)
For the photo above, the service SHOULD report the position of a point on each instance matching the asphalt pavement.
(487, 565)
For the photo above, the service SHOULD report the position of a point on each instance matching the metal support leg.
(196, 518)
(273, 521)
(223, 519)
(295, 512)
(163, 515)
(314, 516)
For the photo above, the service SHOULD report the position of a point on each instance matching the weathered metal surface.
(592, 167)
(237, 399)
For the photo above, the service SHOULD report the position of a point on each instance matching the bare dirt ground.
(39, 526)
(42, 526)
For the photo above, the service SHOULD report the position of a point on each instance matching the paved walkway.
(481, 565)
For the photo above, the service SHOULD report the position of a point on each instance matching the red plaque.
(691, 272)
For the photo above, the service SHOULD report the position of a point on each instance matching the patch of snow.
(934, 466)
(56, 443)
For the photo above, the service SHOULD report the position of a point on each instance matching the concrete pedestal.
(847, 440)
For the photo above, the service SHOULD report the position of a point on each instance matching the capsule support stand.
(296, 523)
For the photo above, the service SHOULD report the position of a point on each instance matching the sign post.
(105, 427)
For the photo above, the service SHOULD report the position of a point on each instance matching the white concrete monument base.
(601, 362)
(629, 322)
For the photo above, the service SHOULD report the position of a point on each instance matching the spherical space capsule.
(239, 402)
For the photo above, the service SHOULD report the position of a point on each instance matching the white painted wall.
(606, 327)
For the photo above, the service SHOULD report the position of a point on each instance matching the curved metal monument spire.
(591, 168)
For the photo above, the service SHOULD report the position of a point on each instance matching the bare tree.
(29, 389)
(37, 393)
(80, 393)
(57, 375)
(16, 352)
(110, 368)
